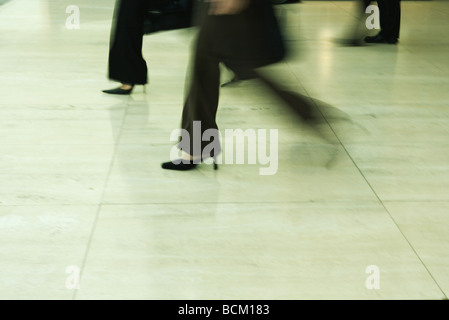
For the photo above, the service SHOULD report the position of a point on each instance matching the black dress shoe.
(182, 165)
(119, 91)
(380, 39)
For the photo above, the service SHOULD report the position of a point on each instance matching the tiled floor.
(87, 213)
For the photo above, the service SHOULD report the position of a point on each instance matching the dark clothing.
(390, 18)
(243, 42)
(126, 63)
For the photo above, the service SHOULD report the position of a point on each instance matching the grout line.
(316, 202)
(375, 193)
(100, 204)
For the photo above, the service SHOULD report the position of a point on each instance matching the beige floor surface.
(86, 212)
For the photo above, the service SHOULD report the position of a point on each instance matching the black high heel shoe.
(183, 165)
(120, 91)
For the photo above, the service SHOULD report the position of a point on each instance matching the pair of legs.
(126, 63)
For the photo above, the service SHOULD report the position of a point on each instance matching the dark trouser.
(216, 43)
(126, 63)
(390, 18)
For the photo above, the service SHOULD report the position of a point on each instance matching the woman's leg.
(201, 104)
(390, 16)
(126, 63)
(396, 18)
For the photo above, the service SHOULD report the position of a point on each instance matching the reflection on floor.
(87, 213)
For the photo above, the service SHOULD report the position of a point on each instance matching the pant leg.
(396, 18)
(126, 63)
(383, 16)
(200, 107)
(390, 18)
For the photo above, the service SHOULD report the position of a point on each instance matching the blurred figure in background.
(390, 22)
(244, 35)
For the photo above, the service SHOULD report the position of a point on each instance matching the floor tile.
(42, 250)
(251, 251)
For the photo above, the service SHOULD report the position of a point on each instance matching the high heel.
(184, 165)
(120, 91)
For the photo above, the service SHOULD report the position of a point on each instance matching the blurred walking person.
(244, 35)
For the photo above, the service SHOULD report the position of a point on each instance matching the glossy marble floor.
(86, 212)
